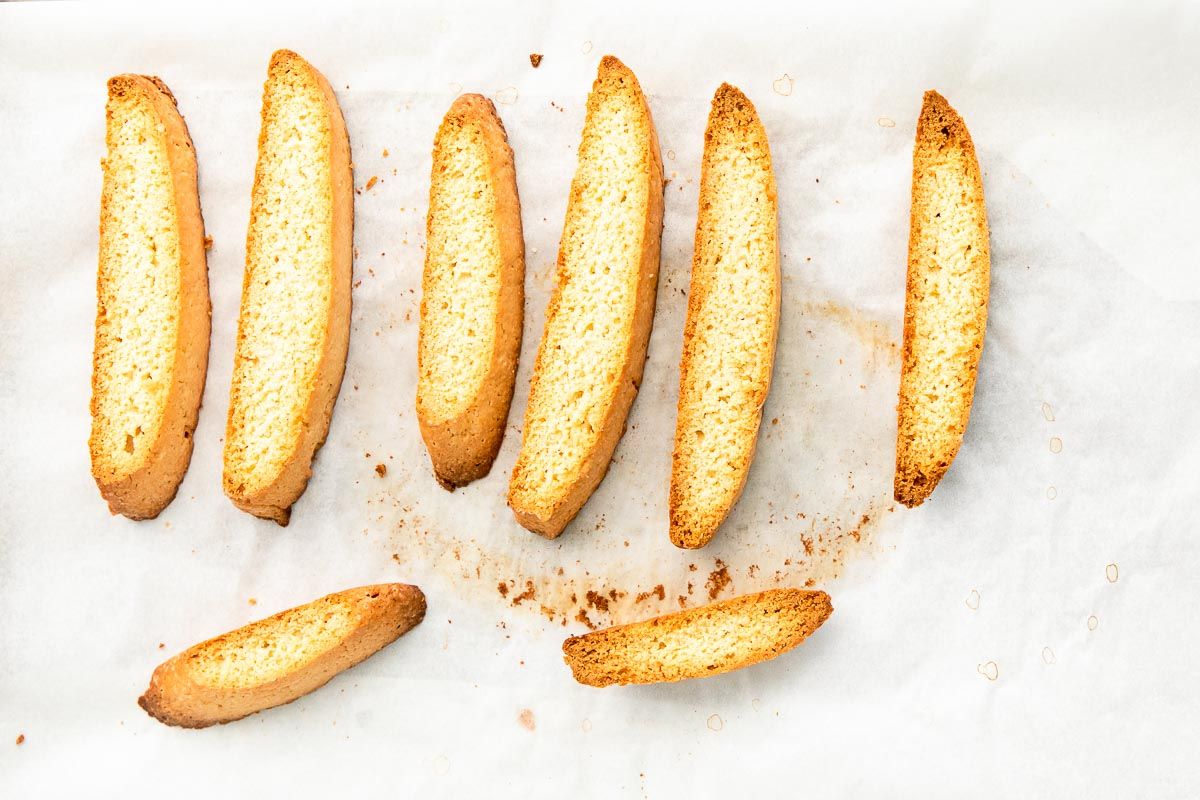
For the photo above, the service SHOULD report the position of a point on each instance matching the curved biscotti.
(732, 322)
(593, 348)
(698, 642)
(278, 659)
(294, 325)
(152, 308)
(472, 294)
(945, 310)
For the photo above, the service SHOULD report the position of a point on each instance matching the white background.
(1086, 119)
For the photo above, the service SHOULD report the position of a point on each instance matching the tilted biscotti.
(945, 309)
(278, 659)
(294, 325)
(590, 360)
(732, 322)
(152, 308)
(698, 642)
(472, 294)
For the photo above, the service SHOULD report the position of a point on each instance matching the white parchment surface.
(1029, 632)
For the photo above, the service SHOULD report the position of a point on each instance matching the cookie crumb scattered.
(208, 243)
(20, 739)
(252, 601)
(381, 470)
(535, 60)
(374, 179)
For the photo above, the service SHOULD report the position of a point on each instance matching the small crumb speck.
(535, 60)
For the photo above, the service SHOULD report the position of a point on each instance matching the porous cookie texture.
(278, 659)
(945, 311)
(698, 642)
(472, 294)
(294, 324)
(593, 347)
(732, 322)
(152, 307)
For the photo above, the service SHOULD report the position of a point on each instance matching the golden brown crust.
(382, 613)
(275, 500)
(623, 392)
(698, 642)
(731, 110)
(943, 152)
(463, 448)
(146, 491)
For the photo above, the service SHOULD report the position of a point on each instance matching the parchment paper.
(1028, 632)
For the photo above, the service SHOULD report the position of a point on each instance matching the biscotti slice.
(945, 309)
(152, 309)
(593, 348)
(472, 294)
(294, 325)
(278, 659)
(698, 642)
(732, 322)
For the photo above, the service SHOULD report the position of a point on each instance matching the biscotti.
(698, 642)
(294, 325)
(472, 294)
(732, 322)
(589, 363)
(152, 307)
(946, 304)
(278, 659)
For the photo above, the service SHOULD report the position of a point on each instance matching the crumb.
(161, 645)
(657, 591)
(597, 600)
(371, 182)
(718, 580)
(252, 601)
(208, 243)
(775, 421)
(529, 594)
(583, 617)
(502, 588)
(381, 470)
(535, 60)
(385, 152)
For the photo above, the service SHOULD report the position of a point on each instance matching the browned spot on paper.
(525, 718)
(502, 588)
(872, 334)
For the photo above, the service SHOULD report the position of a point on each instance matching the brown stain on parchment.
(801, 549)
(872, 334)
(567, 593)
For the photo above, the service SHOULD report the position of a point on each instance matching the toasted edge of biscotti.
(938, 128)
(673, 647)
(462, 448)
(385, 612)
(732, 111)
(147, 490)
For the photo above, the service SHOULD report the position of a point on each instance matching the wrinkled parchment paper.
(1029, 632)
